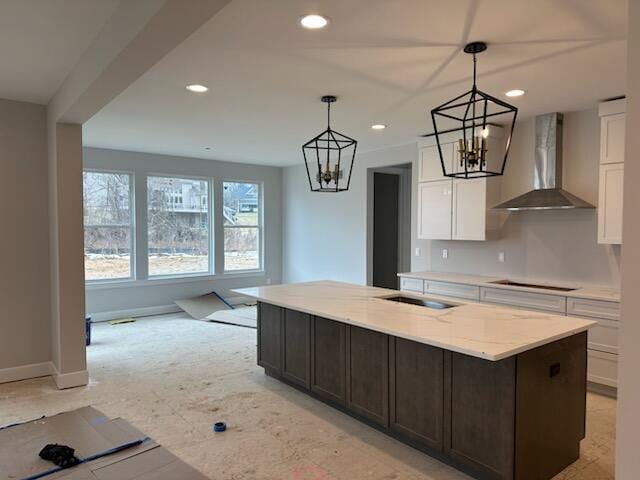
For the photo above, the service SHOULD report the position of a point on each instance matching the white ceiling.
(387, 61)
(41, 41)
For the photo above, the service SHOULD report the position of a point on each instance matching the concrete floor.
(173, 377)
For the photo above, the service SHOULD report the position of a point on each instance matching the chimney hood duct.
(547, 193)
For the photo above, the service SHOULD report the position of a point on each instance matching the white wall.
(325, 234)
(145, 296)
(628, 460)
(24, 238)
(554, 245)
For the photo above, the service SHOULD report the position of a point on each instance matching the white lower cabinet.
(412, 285)
(434, 210)
(525, 300)
(602, 368)
(470, 292)
(604, 336)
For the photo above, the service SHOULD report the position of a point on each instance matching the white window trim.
(132, 228)
(260, 227)
(210, 229)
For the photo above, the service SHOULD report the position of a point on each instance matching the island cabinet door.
(368, 374)
(328, 359)
(416, 375)
(480, 414)
(296, 358)
(270, 337)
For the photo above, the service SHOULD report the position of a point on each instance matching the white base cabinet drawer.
(582, 307)
(412, 284)
(470, 292)
(602, 368)
(525, 300)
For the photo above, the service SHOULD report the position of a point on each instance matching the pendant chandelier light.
(329, 157)
(471, 114)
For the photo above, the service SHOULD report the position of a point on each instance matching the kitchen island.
(496, 392)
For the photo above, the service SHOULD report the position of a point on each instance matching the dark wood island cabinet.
(517, 418)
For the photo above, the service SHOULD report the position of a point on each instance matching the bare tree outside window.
(107, 225)
(178, 225)
(242, 226)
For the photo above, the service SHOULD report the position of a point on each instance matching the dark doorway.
(386, 195)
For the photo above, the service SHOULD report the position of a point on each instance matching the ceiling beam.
(134, 39)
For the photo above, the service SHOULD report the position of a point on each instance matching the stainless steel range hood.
(547, 193)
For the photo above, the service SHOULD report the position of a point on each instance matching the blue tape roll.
(219, 427)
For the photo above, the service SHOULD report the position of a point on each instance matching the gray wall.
(145, 294)
(545, 245)
(325, 234)
(25, 326)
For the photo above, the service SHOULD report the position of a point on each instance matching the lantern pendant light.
(471, 114)
(329, 157)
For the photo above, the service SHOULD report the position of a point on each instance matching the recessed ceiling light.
(197, 88)
(378, 126)
(515, 93)
(314, 22)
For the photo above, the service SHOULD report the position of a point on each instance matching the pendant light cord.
(474, 70)
(328, 115)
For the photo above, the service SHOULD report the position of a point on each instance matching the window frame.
(132, 227)
(259, 226)
(210, 230)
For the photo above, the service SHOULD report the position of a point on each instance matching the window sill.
(156, 281)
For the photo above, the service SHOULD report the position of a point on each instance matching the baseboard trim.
(134, 312)
(25, 372)
(71, 379)
(601, 389)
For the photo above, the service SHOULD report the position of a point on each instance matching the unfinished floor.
(173, 377)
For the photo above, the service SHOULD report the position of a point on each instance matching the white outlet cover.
(417, 251)
(445, 253)
(501, 257)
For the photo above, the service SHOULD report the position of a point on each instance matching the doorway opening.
(389, 225)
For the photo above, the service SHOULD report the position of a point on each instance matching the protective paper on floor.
(243, 317)
(201, 307)
(89, 432)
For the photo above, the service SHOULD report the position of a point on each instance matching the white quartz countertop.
(591, 293)
(484, 331)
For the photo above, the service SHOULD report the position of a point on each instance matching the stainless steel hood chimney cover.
(547, 193)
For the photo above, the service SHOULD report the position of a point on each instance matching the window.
(107, 225)
(178, 226)
(242, 226)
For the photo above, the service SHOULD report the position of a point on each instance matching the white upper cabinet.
(434, 210)
(430, 167)
(469, 209)
(612, 137)
(455, 209)
(610, 203)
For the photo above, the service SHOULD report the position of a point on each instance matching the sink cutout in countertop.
(533, 285)
(419, 302)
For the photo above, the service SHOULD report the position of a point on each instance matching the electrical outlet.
(417, 251)
(445, 253)
(268, 280)
(501, 257)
